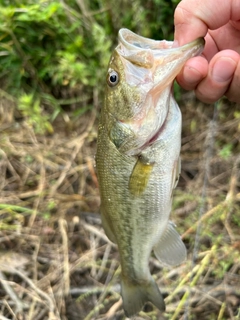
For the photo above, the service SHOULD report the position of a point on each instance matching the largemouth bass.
(138, 161)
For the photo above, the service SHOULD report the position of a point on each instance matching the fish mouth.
(153, 64)
(147, 52)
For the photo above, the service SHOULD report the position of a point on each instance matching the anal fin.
(170, 250)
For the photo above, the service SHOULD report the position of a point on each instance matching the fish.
(138, 160)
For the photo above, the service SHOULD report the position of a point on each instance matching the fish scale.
(138, 161)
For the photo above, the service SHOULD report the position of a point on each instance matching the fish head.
(140, 75)
(124, 100)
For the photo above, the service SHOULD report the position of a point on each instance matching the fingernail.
(223, 69)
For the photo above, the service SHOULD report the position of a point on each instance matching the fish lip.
(130, 40)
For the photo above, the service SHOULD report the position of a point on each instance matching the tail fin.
(135, 295)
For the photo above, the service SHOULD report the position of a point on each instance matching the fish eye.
(113, 78)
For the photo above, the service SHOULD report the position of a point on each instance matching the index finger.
(193, 18)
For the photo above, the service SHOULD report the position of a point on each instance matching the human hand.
(217, 71)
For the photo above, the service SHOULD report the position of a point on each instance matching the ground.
(55, 259)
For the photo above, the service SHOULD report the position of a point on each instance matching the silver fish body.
(138, 162)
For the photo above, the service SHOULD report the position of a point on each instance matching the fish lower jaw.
(152, 138)
(142, 141)
(153, 130)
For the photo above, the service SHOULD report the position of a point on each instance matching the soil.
(55, 259)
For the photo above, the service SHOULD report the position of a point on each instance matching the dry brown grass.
(55, 260)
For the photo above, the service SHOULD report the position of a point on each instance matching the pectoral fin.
(139, 177)
(170, 250)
